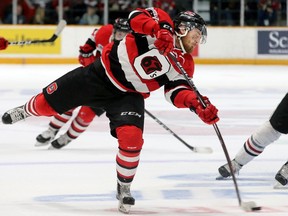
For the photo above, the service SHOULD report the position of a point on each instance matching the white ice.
(80, 180)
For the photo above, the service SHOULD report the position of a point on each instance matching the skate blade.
(39, 144)
(222, 178)
(52, 148)
(279, 186)
(124, 208)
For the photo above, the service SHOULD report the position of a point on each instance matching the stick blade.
(203, 150)
(250, 206)
(60, 27)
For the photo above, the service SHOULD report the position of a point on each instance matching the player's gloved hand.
(164, 41)
(207, 114)
(86, 58)
(86, 55)
(3, 43)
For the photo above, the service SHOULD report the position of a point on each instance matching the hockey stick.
(194, 149)
(247, 206)
(57, 32)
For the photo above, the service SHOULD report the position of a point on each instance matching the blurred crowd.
(90, 12)
(83, 12)
(257, 12)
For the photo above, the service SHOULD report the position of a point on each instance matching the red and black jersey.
(135, 65)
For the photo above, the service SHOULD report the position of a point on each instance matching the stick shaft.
(193, 87)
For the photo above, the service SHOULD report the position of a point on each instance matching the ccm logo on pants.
(131, 114)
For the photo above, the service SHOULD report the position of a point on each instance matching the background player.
(266, 134)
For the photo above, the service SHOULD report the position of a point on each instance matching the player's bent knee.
(42, 107)
(279, 125)
(129, 138)
(266, 134)
(279, 119)
(85, 115)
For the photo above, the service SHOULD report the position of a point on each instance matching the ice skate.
(125, 198)
(45, 137)
(224, 170)
(14, 115)
(59, 143)
(282, 174)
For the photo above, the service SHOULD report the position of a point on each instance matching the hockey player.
(3, 43)
(266, 134)
(99, 38)
(126, 74)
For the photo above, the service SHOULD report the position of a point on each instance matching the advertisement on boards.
(273, 42)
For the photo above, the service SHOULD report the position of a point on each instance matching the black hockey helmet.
(190, 20)
(121, 24)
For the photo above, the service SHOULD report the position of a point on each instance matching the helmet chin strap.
(179, 37)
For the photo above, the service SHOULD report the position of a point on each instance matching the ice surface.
(171, 179)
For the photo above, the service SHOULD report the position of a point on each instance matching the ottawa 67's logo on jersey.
(52, 88)
(151, 64)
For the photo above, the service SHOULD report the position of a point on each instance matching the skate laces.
(48, 134)
(123, 191)
(235, 167)
(63, 139)
(17, 114)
